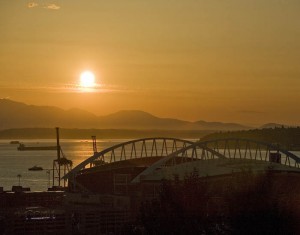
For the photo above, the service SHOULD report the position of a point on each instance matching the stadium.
(107, 190)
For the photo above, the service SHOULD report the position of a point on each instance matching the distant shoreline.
(65, 133)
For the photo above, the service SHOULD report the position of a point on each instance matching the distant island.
(286, 137)
(49, 133)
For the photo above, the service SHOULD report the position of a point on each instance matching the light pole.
(48, 173)
(19, 176)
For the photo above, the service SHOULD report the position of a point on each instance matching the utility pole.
(94, 144)
(58, 153)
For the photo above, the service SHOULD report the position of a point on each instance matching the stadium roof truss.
(177, 151)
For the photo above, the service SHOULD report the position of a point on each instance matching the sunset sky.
(213, 60)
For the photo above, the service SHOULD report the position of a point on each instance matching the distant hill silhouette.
(19, 115)
(220, 126)
(140, 120)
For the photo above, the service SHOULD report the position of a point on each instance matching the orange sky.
(231, 61)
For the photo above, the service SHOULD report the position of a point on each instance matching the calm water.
(14, 162)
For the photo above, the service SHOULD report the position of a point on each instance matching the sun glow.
(87, 79)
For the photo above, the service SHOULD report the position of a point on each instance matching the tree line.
(286, 137)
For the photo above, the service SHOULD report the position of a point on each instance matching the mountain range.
(19, 115)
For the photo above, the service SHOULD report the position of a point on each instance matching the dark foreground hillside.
(243, 203)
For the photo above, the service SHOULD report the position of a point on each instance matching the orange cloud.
(52, 7)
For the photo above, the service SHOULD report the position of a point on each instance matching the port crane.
(60, 164)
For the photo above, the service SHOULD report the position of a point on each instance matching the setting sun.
(87, 79)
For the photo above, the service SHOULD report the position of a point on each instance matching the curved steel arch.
(183, 154)
(155, 151)
(269, 147)
(222, 148)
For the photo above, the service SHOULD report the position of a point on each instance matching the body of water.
(14, 162)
